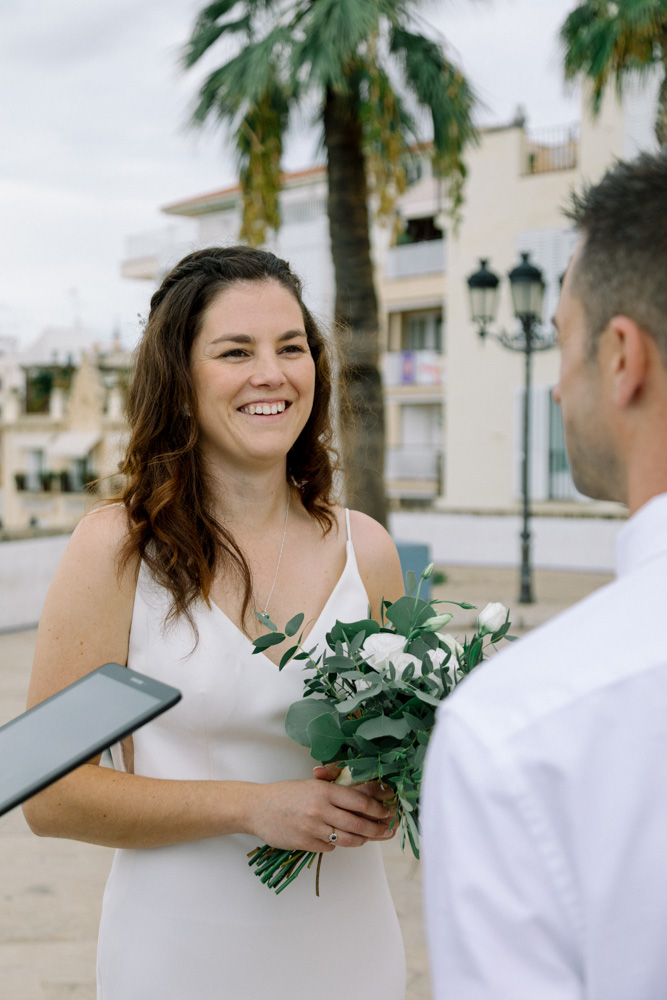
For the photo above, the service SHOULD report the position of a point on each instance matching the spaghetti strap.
(347, 524)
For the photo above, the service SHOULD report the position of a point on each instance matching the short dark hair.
(172, 523)
(622, 269)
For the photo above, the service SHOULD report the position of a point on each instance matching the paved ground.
(51, 890)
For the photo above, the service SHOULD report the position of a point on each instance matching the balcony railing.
(55, 482)
(411, 260)
(413, 368)
(413, 471)
(546, 150)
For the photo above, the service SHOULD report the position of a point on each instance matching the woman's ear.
(628, 358)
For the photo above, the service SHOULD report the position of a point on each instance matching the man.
(545, 800)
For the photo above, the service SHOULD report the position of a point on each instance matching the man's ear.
(627, 351)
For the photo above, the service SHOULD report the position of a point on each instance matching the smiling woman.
(228, 509)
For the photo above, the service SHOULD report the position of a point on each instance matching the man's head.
(612, 322)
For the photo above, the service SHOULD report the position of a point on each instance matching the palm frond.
(244, 80)
(441, 88)
(601, 40)
(333, 33)
(208, 29)
(385, 124)
(259, 146)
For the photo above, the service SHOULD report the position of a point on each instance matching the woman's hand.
(301, 814)
(375, 789)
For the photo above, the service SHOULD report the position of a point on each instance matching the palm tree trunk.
(661, 115)
(356, 306)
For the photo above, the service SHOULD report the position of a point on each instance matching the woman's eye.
(236, 352)
(293, 349)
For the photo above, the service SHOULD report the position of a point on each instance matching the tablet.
(51, 739)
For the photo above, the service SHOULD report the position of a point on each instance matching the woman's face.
(253, 375)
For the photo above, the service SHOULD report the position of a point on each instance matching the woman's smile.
(253, 374)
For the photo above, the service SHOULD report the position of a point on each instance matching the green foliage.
(370, 702)
(286, 52)
(604, 39)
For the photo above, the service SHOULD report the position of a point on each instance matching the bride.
(227, 509)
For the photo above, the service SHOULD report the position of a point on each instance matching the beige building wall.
(506, 210)
(47, 457)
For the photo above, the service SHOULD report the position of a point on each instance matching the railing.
(413, 368)
(54, 482)
(413, 463)
(546, 150)
(410, 260)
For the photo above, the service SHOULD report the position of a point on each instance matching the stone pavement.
(51, 890)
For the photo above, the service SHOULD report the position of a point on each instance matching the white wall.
(568, 543)
(26, 570)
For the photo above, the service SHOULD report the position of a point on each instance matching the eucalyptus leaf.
(408, 672)
(326, 737)
(404, 613)
(264, 641)
(344, 631)
(332, 664)
(413, 834)
(350, 704)
(294, 624)
(428, 698)
(384, 726)
(300, 714)
(287, 656)
(367, 747)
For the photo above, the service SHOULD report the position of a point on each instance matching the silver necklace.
(280, 555)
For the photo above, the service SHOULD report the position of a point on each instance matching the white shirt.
(544, 809)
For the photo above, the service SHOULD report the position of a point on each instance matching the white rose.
(404, 660)
(382, 647)
(451, 643)
(491, 618)
(385, 647)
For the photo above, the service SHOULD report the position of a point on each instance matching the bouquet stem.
(277, 868)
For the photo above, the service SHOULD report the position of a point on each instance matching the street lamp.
(527, 286)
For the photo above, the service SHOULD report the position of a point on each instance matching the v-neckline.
(317, 621)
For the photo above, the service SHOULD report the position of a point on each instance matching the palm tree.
(369, 72)
(602, 38)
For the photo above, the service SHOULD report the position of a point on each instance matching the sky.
(94, 138)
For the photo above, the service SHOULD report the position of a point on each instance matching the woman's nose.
(267, 370)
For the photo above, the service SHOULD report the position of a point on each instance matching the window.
(420, 231)
(550, 476)
(422, 331)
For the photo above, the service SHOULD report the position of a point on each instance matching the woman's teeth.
(265, 409)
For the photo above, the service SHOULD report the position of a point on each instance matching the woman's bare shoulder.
(108, 524)
(87, 613)
(377, 558)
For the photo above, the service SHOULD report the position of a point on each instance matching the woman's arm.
(378, 561)
(86, 622)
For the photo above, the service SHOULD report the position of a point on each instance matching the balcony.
(413, 473)
(412, 260)
(413, 368)
(547, 150)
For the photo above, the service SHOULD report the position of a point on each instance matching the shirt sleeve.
(498, 927)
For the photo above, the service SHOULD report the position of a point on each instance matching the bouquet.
(370, 703)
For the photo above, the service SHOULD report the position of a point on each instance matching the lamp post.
(527, 286)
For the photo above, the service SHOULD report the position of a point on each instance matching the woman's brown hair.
(166, 494)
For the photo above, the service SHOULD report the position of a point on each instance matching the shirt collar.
(643, 537)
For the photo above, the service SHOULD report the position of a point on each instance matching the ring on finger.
(333, 836)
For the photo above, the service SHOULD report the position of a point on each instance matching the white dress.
(192, 921)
